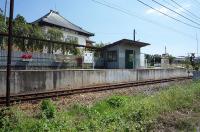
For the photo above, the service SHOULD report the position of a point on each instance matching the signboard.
(143, 61)
(88, 57)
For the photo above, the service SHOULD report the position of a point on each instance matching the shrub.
(48, 108)
(8, 120)
(116, 102)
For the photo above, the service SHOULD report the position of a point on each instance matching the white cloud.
(166, 11)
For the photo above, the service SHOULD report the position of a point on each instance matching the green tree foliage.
(2, 23)
(72, 49)
(98, 45)
(54, 34)
(3, 27)
(36, 32)
(20, 28)
(171, 59)
(153, 59)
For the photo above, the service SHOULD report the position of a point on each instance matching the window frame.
(112, 56)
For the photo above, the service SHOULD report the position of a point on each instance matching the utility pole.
(134, 33)
(197, 45)
(10, 41)
(5, 11)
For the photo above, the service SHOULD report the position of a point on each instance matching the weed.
(117, 113)
(116, 102)
(48, 108)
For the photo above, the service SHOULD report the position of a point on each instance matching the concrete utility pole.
(134, 33)
(5, 11)
(10, 41)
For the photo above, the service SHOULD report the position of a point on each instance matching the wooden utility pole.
(10, 41)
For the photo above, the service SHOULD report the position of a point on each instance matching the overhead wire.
(185, 9)
(128, 12)
(176, 12)
(187, 24)
(198, 2)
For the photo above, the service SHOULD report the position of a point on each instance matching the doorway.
(129, 58)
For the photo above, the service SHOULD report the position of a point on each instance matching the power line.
(185, 9)
(127, 12)
(185, 12)
(187, 24)
(169, 3)
(175, 12)
(197, 1)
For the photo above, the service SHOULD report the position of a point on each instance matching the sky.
(112, 24)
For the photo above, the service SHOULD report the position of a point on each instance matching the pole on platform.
(10, 41)
(134, 33)
(197, 45)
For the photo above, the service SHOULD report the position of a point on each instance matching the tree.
(54, 34)
(100, 45)
(2, 23)
(153, 59)
(72, 49)
(1, 11)
(171, 59)
(20, 28)
(157, 58)
(36, 32)
(3, 28)
(97, 53)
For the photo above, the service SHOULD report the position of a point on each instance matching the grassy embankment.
(117, 113)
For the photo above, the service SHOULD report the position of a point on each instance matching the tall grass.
(117, 113)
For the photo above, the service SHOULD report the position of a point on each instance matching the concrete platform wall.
(32, 81)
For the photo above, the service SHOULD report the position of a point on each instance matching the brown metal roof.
(127, 41)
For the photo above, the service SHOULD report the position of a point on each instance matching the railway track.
(59, 93)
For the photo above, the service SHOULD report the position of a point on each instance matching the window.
(112, 55)
(72, 39)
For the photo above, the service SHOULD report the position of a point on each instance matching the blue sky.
(110, 25)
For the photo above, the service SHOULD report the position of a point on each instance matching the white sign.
(143, 61)
(88, 57)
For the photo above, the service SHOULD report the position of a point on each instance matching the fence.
(31, 53)
(38, 60)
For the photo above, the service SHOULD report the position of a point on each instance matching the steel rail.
(61, 93)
